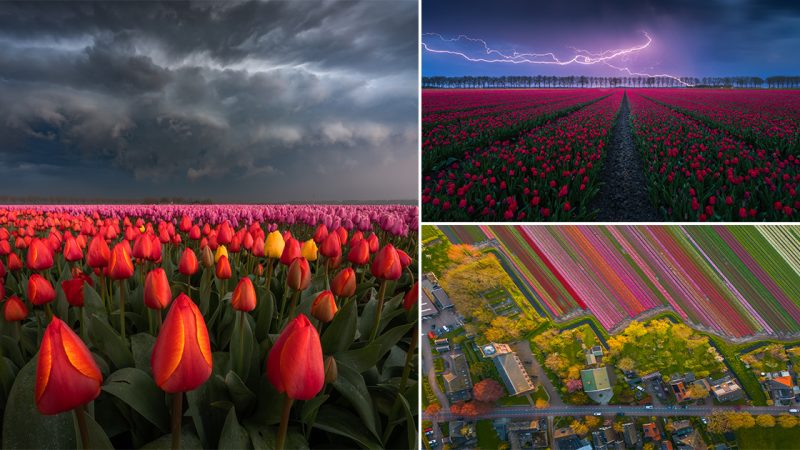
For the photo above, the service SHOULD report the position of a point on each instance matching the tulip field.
(735, 281)
(213, 326)
(536, 155)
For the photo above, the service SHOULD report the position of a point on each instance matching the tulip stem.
(84, 328)
(240, 356)
(378, 311)
(293, 304)
(80, 416)
(177, 415)
(158, 320)
(287, 408)
(122, 309)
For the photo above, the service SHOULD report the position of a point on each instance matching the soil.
(623, 190)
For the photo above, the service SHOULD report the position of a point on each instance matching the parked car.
(648, 406)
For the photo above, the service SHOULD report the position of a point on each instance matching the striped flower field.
(732, 280)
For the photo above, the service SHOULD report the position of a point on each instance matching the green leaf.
(109, 342)
(242, 345)
(92, 303)
(97, 437)
(311, 406)
(205, 291)
(351, 385)
(207, 419)
(25, 427)
(366, 357)
(142, 346)
(240, 394)
(234, 436)
(138, 390)
(189, 441)
(11, 350)
(342, 330)
(8, 372)
(367, 318)
(334, 419)
(265, 309)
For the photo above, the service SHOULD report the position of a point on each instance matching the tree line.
(582, 81)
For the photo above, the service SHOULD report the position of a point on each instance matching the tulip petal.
(78, 355)
(168, 350)
(44, 366)
(302, 365)
(202, 335)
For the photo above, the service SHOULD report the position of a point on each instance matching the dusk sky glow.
(709, 38)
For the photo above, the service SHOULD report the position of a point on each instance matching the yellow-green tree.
(765, 421)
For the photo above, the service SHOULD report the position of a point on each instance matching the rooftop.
(513, 374)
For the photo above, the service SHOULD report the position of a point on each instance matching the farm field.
(729, 280)
(125, 307)
(537, 154)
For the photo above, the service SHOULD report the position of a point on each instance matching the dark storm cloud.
(240, 101)
(698, 38)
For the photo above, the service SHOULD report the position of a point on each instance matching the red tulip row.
(521, 101)
(767, 119)
(549, 173)
(697, 172)
(442, 100)
(451, 140)
(47, 257)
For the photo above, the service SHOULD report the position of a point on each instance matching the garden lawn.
(487, 437)
(768, 438)
(434, 250)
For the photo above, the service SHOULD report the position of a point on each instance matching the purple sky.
(690, 38)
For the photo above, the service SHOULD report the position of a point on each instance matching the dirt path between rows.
(623, 192)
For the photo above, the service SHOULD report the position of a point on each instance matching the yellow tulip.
(273, 247)
(309, 250)
(221, 251)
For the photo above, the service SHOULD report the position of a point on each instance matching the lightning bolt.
(583, 57)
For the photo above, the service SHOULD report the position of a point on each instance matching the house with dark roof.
(510, 368)
(780, 389)
(629, 434)
(457, 381)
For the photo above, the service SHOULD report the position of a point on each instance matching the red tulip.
(157, 293)
(72, 250)
(405, 260)
(14, 264)
(342, 233)
(181, 358)
(120, 265)
(185, 224)
(188, 264)
(291, 251)
(5, 248)
(359, 253)
(321, 233)
(386, 265)
(40, 256)
(344, 283)
(2, 270)
(142, 247)
(194, 233)
(66, 374)
(373, 243)
(14, 309)
(331, 247)
(294, 364)
(299, 276)
(244, 296)
(40, 291)
(223, 269)
(99, 253)
(323, 308)
(411, 297)
(224, 233)
(73, 289)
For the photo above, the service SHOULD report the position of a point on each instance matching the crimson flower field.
(537, 155)
(218, 326)
(733, 280)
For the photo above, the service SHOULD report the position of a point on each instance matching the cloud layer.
(251, 101)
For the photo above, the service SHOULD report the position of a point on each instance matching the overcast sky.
(690, 37)
(252, 101)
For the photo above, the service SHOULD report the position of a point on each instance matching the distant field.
(768, 438)
(732, 280)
